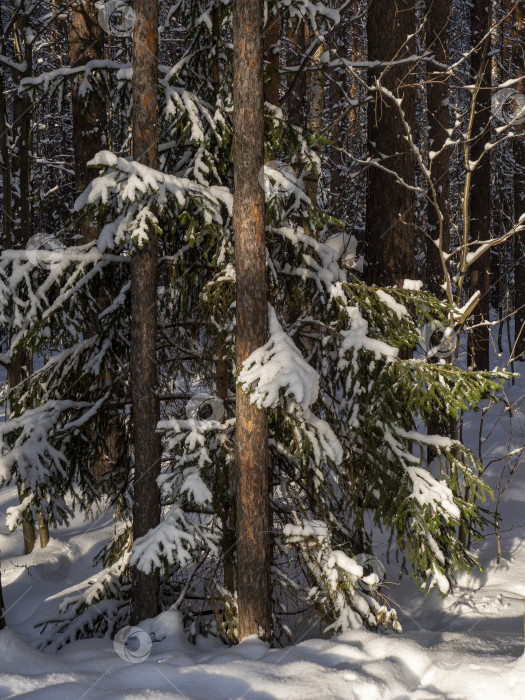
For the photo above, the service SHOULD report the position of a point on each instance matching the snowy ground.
(469, 645)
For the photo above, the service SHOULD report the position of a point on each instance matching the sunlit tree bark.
(251, 455)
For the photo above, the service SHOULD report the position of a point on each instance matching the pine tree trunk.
(19, 367)
(28, 526)
(23, 110)
(251, 452)
(86, 43)
(439, 122)
(479, 212)
(354, 130)
(519, 185)
(389, 242)
(144, 396)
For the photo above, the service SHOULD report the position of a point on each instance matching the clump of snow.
(345, 247)
(308, 528)
(357, 337)
(400, 310)
(413, 285)
(278, 369)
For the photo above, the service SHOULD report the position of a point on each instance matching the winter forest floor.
(469, 645)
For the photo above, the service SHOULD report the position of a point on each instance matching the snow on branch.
(52, 80)
(278, 369)
(173, 541)
(428, 491)
(357, 337)
(137, 190)
(277, 374)
(32, 454)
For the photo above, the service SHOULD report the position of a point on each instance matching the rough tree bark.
(389, 241)
(251, 452)
(144, 395)
(439, 122)
(479, 211)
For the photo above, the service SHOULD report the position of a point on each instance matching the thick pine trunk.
(439, 122)
(144, 396)
(251, 453)
(389, 244)
(479, 212)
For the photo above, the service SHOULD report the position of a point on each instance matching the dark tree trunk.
(7, 239)
(20, 365)
(5, 164)
(251, 453)
(144, 395)
(23, 110)
(519, 185)
(272, 37)
(86, 43)
(316, 102)
(389, 243)
(216, 32)
(339, 132)
(297, 85)
(223, 501)
(439, 122)
(2, 609)
(479, 212)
